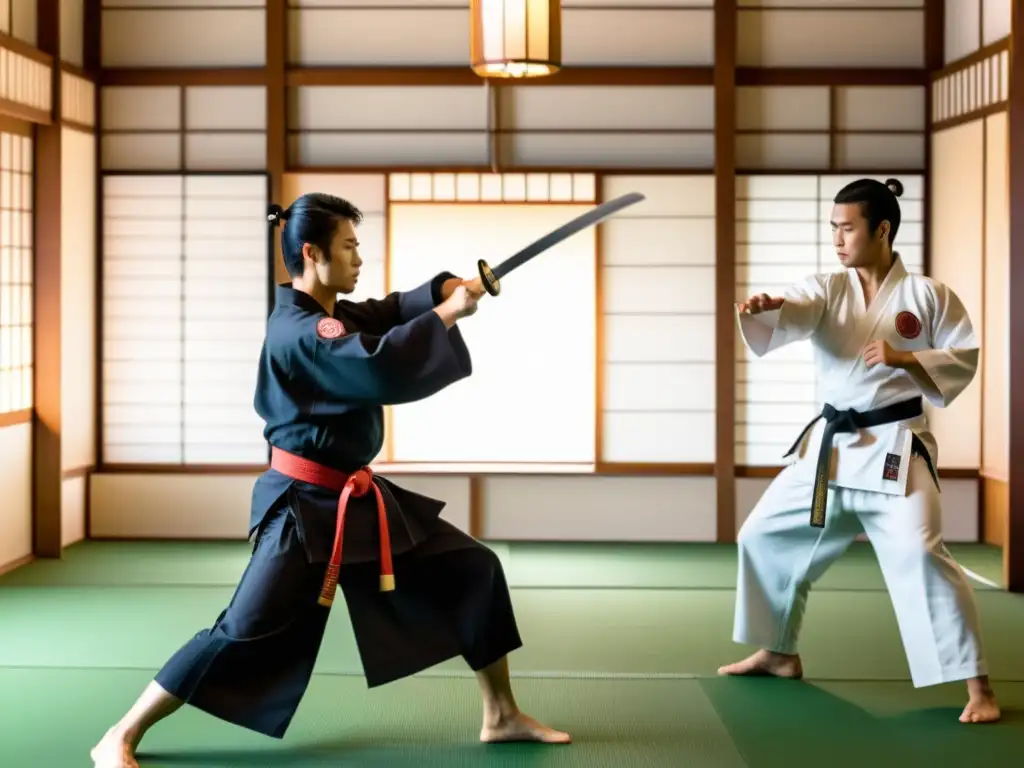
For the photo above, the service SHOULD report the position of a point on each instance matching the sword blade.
(588, 219)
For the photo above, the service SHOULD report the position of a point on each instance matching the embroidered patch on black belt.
(892, 467)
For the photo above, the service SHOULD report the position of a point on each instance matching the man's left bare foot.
(982, 708)
(520, 727)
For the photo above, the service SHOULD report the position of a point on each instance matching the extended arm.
(378, 316)
(944, 371)
(796, 320)
(407, 363)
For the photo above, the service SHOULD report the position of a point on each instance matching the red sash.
(357, 484)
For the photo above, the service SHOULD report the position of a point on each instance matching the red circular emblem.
(907, 325)
(329, 328)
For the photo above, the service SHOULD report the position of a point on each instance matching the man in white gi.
(883, 338)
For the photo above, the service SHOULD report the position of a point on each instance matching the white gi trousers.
(781, 555)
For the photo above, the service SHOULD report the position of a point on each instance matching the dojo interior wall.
(654, 400)
(17, 19)
(78, 335)
(971, 250)
(24, 84)
(969, 25)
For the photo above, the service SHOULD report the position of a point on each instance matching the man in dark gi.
(326, 370)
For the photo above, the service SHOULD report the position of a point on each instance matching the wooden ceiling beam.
(463, 76)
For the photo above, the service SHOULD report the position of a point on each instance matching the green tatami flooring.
(621, 647)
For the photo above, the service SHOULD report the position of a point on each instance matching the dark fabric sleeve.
(409, 362)
(381, 315)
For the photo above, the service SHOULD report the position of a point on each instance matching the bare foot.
(766, 663)
(520, 727)
(982, 708)
(115, 750)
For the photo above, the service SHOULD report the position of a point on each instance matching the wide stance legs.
(502, 719)
(253, 666)
(781, 555)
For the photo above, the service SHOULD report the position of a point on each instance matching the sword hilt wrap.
(491, 283)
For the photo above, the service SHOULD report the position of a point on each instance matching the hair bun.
(275, 214)
(895, 186)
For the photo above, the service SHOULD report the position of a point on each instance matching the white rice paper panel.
(141, 152)
(776, 236)
(806, 38)
(72, 31)
(782, 108)
(395, 150)
(650, 108)
(962, 30)
(995, 20)
(225, 151)
(388, 108)
(778, 150)
(591, 36)
(880, 108)
(658, 288)
(389, 126)
(425, 239)
(186, 37)
(141, 108)
(141, 126)
(869, 151)
(172, 390)
(24, 21)
(610, 150)
(221, 108)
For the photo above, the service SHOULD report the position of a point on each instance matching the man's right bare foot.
(766, 663)
(115, 750)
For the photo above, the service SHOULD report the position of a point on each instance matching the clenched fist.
(879, 352)
(759, 303)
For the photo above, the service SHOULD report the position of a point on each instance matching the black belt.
(848, 421)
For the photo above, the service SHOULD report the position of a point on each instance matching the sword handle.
(491, 283)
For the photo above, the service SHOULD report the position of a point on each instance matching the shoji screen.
(15, 272)
(185, 300)
(658, 286)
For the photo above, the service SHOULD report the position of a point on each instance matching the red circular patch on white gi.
(329, 328)
(907, 325)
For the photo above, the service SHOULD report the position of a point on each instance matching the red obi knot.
(361, 481)
(358, 483)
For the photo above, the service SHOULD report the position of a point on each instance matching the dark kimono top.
(321, 388)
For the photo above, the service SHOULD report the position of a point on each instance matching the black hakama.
(322, 382)
(253, 666)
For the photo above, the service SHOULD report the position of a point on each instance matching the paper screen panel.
(393, 34)
(180, 347)
(536, 398)
(183, 34)
(381, 126)
(572, 126)
(658, 284)
(16, 272)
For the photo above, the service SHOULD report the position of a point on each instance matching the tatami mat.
(622, 644)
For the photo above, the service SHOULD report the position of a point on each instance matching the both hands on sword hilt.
(458, 299)
(877, 352)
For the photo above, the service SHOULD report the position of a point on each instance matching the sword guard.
(491, 283)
